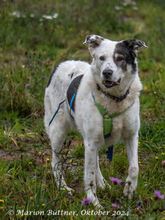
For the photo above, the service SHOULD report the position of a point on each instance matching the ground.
(34, 37)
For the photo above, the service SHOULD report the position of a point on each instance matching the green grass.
(30, 48)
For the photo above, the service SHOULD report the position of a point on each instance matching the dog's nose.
(107, 73)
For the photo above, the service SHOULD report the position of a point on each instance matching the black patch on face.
(125, 50)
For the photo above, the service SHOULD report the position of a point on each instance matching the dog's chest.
(116, 132)
(112, 116)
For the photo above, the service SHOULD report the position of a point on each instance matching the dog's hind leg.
(132, 152)
(57, 134)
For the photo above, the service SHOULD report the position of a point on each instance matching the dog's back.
(58, 84)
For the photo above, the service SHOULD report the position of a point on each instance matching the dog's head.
(113, 61)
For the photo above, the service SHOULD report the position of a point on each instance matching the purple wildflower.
(158, 195)
(27, 85)
(138, 208)
(70, 141)
(86, 201)
(115, 205)
(116, 180)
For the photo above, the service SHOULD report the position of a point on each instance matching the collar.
(117, 99)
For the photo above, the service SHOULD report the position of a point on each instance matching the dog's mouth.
(109, 84)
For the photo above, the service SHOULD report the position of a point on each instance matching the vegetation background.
(34, 37)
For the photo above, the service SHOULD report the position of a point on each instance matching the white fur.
(88, 120)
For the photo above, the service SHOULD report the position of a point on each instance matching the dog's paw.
(102, 183)
(130, 187)
(94, 199)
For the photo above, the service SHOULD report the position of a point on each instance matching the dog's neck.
(116, 98)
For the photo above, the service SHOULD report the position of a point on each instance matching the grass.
(30, 48)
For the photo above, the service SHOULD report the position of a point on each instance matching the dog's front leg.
(101, 182)
(132, 153)
(91, 149)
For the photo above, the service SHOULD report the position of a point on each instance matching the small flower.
(139, 162)
(43, 204)
(156, 157)
(1, 207)
(116, 180)
(1, 201)
(163, 163)
(115, 205)
(86, 201)
(43, 154)
(71, 161)
(47, 159)
(138, 208)
(16, 14)
(32, 15)
(30, 162)
(27, 85)
(162, 153)
(55, 15)
(70, 141)
(117, 8)
(31, 198)
(158, 195)
(49, 17)
(39, 153)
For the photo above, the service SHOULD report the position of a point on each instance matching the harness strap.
(107, 119)
(110, 152)
(56, 111)
(71, 102)
(71, 95)
(108, 123)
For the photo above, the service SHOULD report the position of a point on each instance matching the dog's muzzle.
(107, 82)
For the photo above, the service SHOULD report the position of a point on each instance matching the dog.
(73, 97)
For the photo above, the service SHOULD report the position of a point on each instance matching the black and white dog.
(92, 97)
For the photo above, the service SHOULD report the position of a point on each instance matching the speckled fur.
(88, 120)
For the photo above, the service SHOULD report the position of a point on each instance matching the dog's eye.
(120, 58)
(102, 58)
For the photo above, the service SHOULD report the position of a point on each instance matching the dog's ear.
(134, 45)
(93, 40)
